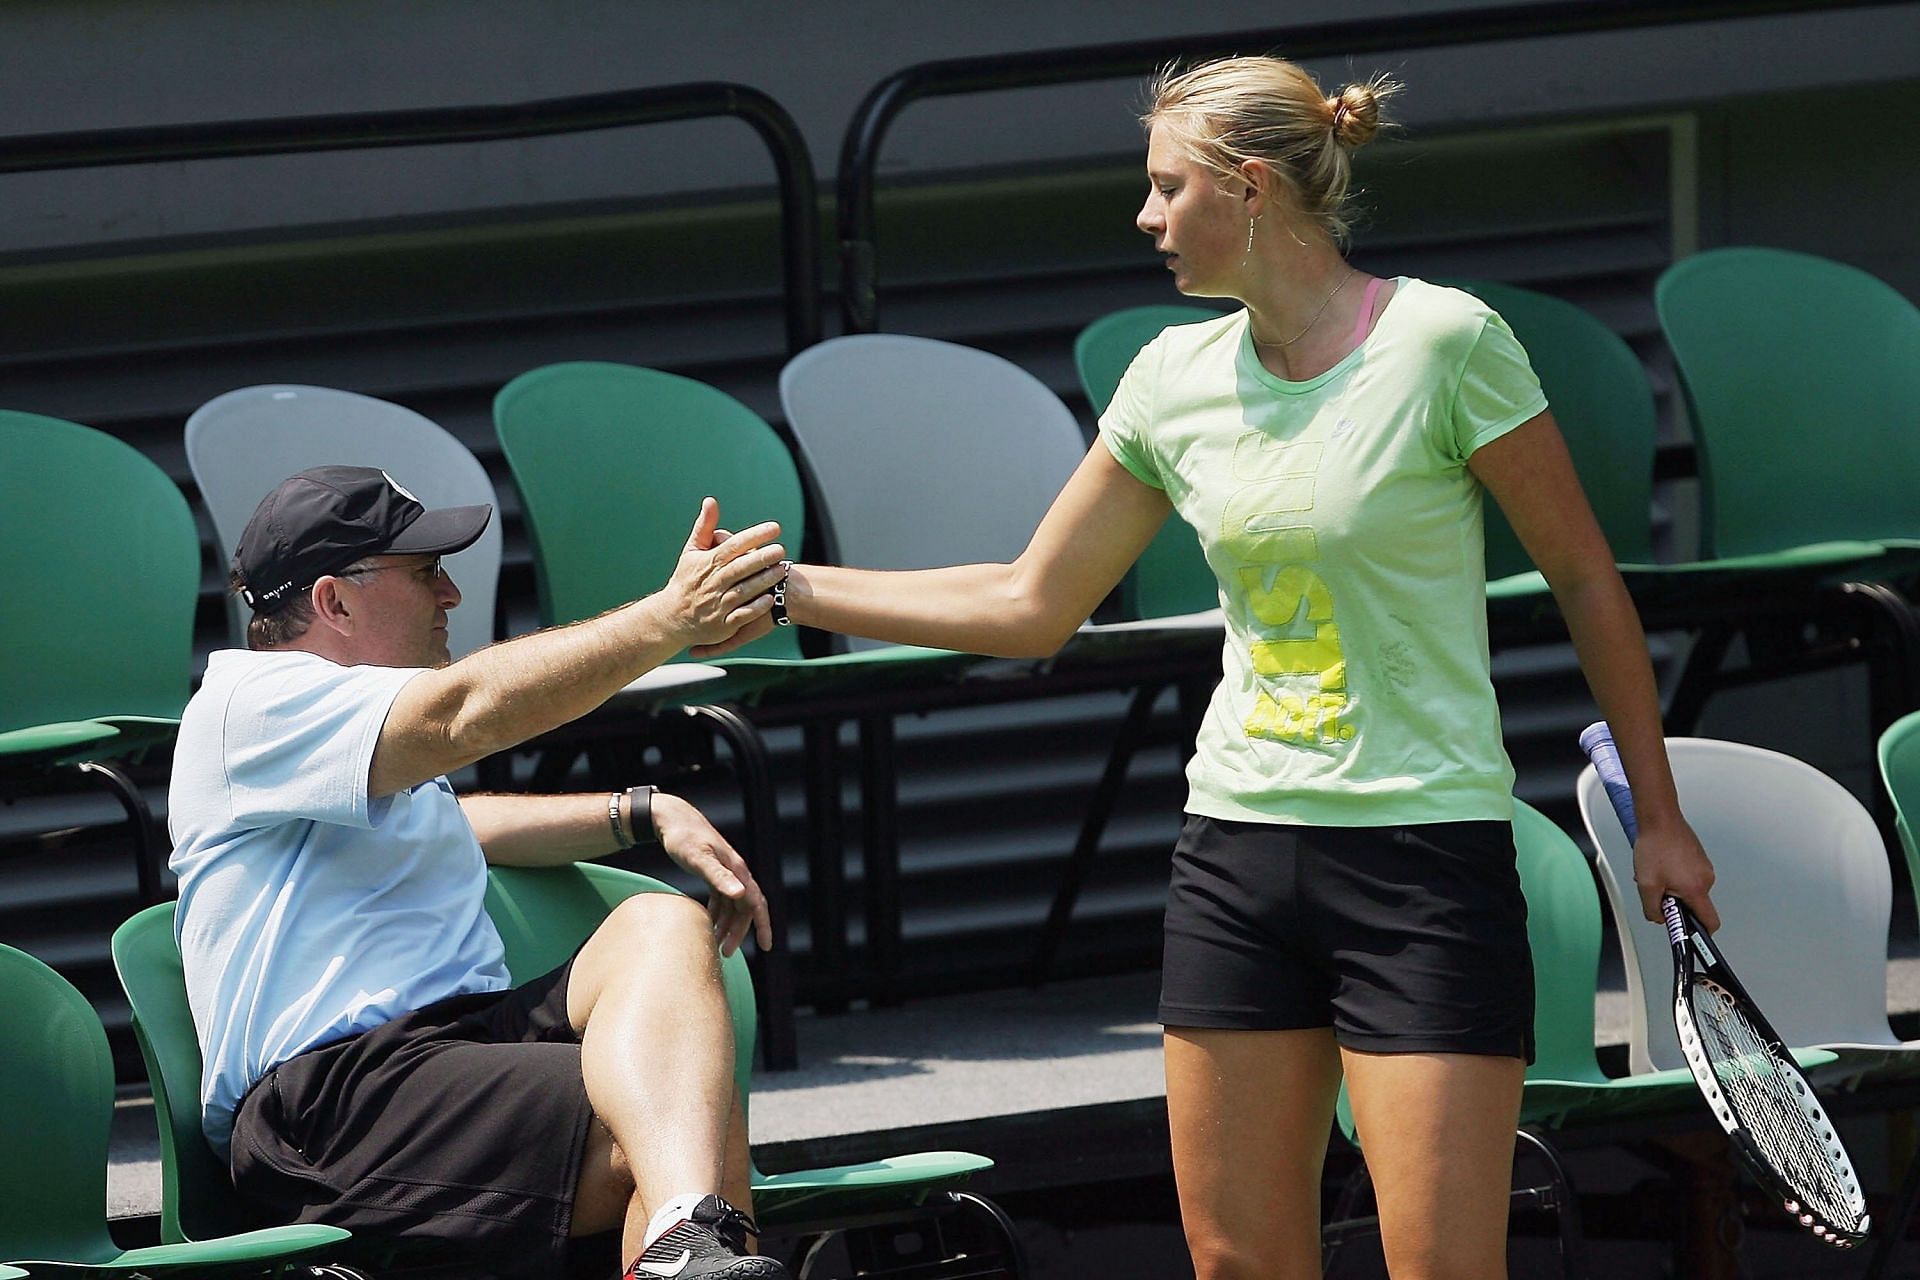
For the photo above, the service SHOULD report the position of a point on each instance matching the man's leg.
(656, 1050)
(606, 1190)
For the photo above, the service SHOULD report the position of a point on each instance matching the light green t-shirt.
(1345, 530)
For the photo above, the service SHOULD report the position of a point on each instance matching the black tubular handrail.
(799, 212)
(860, 148)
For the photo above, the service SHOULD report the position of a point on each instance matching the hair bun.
(1354, 112)
(1232, 111)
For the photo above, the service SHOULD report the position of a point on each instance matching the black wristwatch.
(640, 815)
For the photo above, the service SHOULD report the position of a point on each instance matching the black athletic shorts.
(1408, 939)
(453, 1134)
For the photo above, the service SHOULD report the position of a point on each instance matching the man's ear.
(330, 607)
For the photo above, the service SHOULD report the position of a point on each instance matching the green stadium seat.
(1899, 756)
(564, 429)
(1802, 379)
(56, 1108)
(101, 576)
(1604, 406)
(1171, 576)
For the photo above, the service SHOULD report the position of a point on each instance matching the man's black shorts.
(455, 1132)
(1408, 939)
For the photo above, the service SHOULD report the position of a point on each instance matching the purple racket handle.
(1597, 741)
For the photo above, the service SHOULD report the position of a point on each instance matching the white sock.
(670, 1215)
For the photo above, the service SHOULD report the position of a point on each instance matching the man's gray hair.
(281, 628)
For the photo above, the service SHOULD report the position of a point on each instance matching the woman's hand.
(721, 587)
(1671, 860)
(735, 903)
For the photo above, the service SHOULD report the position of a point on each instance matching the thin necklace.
(1324, 304)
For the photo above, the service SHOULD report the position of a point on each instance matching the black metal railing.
(799, 212)
(860, 147)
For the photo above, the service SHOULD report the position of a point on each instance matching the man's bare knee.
(657, 927)
(643, 939)
(651, 919)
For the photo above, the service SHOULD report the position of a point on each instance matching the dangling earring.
(1250, 224)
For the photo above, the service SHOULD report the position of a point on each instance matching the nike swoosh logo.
(663, 1269)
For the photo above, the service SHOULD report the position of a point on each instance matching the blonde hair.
(1233, 110)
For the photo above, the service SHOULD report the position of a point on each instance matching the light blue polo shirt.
(308, 911)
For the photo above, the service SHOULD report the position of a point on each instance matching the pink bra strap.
(1366, 310)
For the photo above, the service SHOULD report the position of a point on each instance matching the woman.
(1344, 894)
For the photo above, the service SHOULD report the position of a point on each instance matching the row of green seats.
(57, 1093)
(1806, 464)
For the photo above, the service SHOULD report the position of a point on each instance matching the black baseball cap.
(323, 519)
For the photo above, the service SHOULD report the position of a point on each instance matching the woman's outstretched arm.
(1097, 527)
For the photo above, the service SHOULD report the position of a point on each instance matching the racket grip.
(1597, 741)
(1676, 919)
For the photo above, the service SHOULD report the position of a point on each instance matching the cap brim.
(441, 532)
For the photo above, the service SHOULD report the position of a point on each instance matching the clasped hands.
(721, 591)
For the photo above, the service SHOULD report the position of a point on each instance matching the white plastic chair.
(926, 453)
(241, 444)
(1804, 891)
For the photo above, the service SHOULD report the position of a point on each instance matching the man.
(367, 1063)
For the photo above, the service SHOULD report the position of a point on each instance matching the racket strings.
(1769, 1099)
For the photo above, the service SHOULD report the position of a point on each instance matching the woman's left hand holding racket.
(1670, 860)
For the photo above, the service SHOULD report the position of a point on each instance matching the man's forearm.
(541, 831)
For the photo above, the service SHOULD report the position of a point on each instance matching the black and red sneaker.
(710, 1245)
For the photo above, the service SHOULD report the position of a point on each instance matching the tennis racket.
(1773, 1120)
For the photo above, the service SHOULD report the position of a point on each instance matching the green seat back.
(1803, 379)
(1104, 349)
(196, 1197)
(56, 1105)
(1172, 575)
(1601, 399)
(1900, 771)
(100, 577)
(612, 461)
(1563, 928)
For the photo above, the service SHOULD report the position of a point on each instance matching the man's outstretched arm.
(504, 694)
